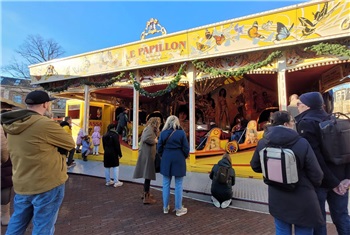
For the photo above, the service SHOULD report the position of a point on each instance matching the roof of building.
(16, 82)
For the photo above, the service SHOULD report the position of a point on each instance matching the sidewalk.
(248, 193)
(89, 207)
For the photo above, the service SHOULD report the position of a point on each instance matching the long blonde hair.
(172, 122)
(154, 122)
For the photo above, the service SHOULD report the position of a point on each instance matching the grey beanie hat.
(313, 100)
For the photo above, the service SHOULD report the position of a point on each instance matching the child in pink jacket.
(80, 136)
(96, 137)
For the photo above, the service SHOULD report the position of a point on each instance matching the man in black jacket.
(335, 184)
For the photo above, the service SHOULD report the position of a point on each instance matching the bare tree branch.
(35, 49)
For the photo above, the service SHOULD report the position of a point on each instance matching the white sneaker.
(226, 203)
(166, 210)
(118, 184)
(109, 183)
(181, 212)
(215, 202)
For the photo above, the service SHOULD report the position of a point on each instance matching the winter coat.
(80, 136)
(86, 146)
(122, 122)
(33, 142)
(309, 129)
(6, 174)
(66, 126)
(147, 152)
(174, 153)
(96, 136)
(301, 206)
(111, 145)
(222, 192)
(4, 147)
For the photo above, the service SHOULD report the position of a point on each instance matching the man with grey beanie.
(336, 181)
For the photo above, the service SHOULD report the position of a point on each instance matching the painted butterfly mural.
(219, 39)
(282, 31)
(239, 29)
(253, 31)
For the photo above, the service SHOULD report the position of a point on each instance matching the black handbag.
(158, 158)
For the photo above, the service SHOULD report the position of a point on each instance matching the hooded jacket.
(300, 206)
(222, 192)
(33, 142)
(96, 136)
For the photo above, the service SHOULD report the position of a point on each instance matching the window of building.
(17, 99)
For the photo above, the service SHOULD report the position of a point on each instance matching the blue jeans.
(95, 150)
(283, 228)
(108, 174)
(42, 208)
(338, 208)
(178, 191)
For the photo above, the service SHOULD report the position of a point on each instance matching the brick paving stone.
(91, 208)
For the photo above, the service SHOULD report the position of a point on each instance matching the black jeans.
(70, 156)
(146, 185)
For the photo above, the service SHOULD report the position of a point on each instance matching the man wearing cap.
(335, 183)
(39, 169)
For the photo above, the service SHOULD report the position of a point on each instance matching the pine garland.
(81, 81)
(172, 85)
(201, 66)
(319, 49)
(329, 49)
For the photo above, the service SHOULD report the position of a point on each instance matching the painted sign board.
(312, 21)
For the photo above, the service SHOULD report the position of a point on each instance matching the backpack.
(335, 136)
(222, 175)
(279, 167)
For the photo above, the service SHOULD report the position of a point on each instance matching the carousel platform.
(202, 164)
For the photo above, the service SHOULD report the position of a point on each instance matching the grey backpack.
(279, 167)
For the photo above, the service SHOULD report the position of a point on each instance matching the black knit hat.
(37, 97)
(313, 100)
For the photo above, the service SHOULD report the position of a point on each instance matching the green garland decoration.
(319, 49)
(82, 81)
(329, 49)
(201, 66)
(172, 85)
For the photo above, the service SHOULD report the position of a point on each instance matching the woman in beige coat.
(147, 152)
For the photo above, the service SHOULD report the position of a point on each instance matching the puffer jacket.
(96, 136)
(33, 142)
(299, 207)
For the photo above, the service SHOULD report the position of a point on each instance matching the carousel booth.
(100, 115)
(218, 79)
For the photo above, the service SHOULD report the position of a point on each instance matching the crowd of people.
(44, 151)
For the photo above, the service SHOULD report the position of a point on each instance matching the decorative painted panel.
(313, 21)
